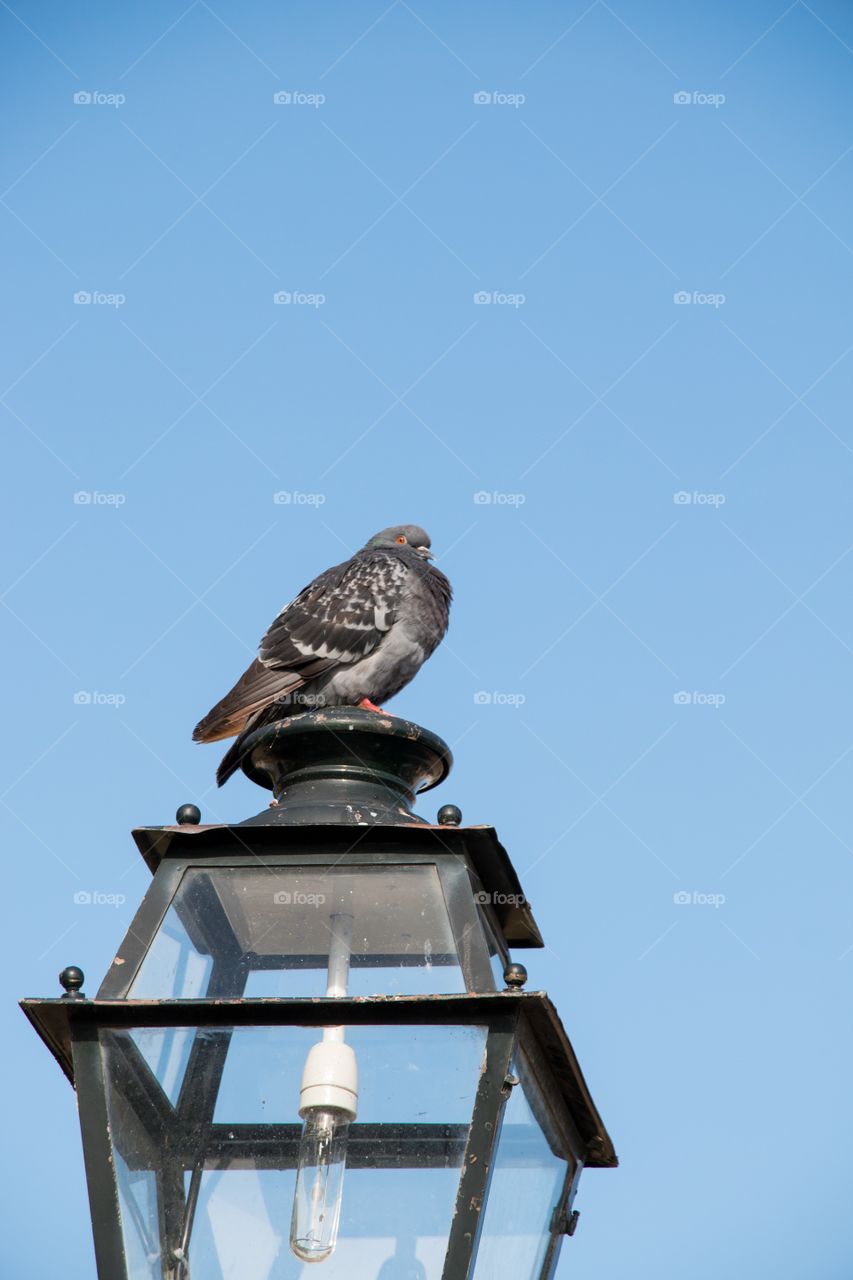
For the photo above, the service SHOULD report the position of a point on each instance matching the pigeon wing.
(336, 620)
(339, 618)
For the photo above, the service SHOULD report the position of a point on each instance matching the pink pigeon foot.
(370, 706)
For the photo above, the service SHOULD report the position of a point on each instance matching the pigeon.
(354, 637)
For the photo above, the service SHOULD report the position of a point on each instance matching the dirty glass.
(266, 931)
(528, 1176)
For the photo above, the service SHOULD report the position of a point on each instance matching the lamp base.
(344, 766)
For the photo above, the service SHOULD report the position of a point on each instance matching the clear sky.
(655, 598)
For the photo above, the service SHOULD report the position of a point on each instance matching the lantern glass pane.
(137, 1196)
(266, 931)
(527, 1179)
(226, 1140)
(499, 956)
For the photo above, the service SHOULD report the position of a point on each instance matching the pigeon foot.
(370, 706)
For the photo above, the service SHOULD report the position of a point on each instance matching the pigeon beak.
(425, 552)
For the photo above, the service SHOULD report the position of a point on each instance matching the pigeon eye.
(401, 538)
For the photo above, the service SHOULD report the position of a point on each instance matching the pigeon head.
(403, 535)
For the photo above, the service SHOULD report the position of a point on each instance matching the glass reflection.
(264, 931)
(527, 1179)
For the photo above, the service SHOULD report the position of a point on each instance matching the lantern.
(313, 1054)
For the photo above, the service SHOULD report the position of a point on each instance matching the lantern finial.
(72, 979)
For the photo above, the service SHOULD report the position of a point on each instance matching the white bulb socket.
(330, 1079)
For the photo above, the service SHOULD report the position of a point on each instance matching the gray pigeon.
(353, 637)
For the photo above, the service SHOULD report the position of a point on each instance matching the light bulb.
(328, 1103)
(319, 1183)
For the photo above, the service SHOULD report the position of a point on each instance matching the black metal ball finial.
(449, 815)
(188, 815)
(515, 976)
(72, 980)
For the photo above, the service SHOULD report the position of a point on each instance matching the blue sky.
(653, 589)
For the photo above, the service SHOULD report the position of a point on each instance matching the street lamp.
(312, 1054)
